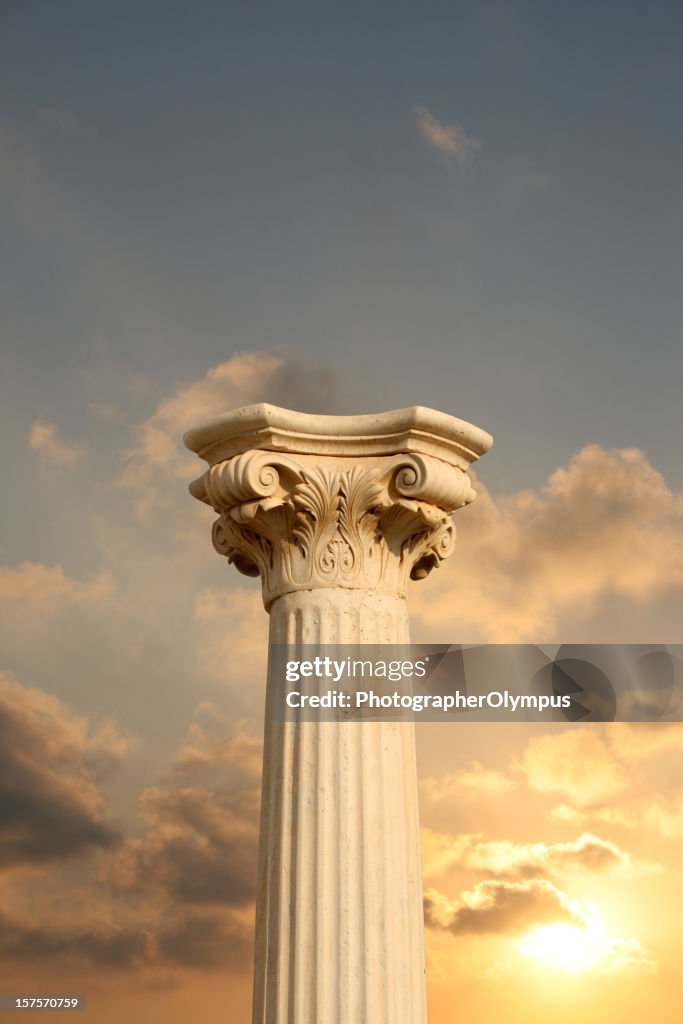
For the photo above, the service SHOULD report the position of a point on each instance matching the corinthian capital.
(357, 502)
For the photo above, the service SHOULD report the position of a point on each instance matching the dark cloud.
(50, 802)
(178, 895)
(495, 907)
(205, 941)
(21, 942)
(202, 843)
(214, 745)
(201, 849)
(195, 941)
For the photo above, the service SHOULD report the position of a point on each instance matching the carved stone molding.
(302, 522)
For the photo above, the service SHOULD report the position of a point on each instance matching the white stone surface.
(336, 514)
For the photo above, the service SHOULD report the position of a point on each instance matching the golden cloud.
(475, 782)
(507, 859)
(231, 643)
(578, 763)
(592, 764)
(276, 376)
(450, 139)
(215, 740)
(659, 815)
(47, 588)
(45, 440)
(497, 907)
(606, 524)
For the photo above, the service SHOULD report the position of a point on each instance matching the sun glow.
(571, 948)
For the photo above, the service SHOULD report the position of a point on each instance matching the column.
(336, 514)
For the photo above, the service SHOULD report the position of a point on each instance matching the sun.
(571, 948)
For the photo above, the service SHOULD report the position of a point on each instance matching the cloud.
(591, 765)
(442, 852)
(643, 740)
(206, 941)
(665, 817)
(504, 858)
(44, 439)
(524, 910)
(579, 764)
(202, 824)
(475, 782)
(50, 763)
(214, 740)
(659, 815)
(180, 895)
(604, 525)
(450, 139)
(604, 815)
(46, 588)
(226, 622)
(497, 907)
(276, 376)
(200, 850)
(22, 942)
(197, 941)
(624, 955)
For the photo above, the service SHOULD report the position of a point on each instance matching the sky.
(346, 209)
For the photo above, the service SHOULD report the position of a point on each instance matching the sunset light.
(571, 948)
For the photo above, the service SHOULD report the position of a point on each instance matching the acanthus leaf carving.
(316, 502)
(300, 526)
(243, 548)
(361, 496)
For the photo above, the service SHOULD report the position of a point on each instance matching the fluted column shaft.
(339, 931)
